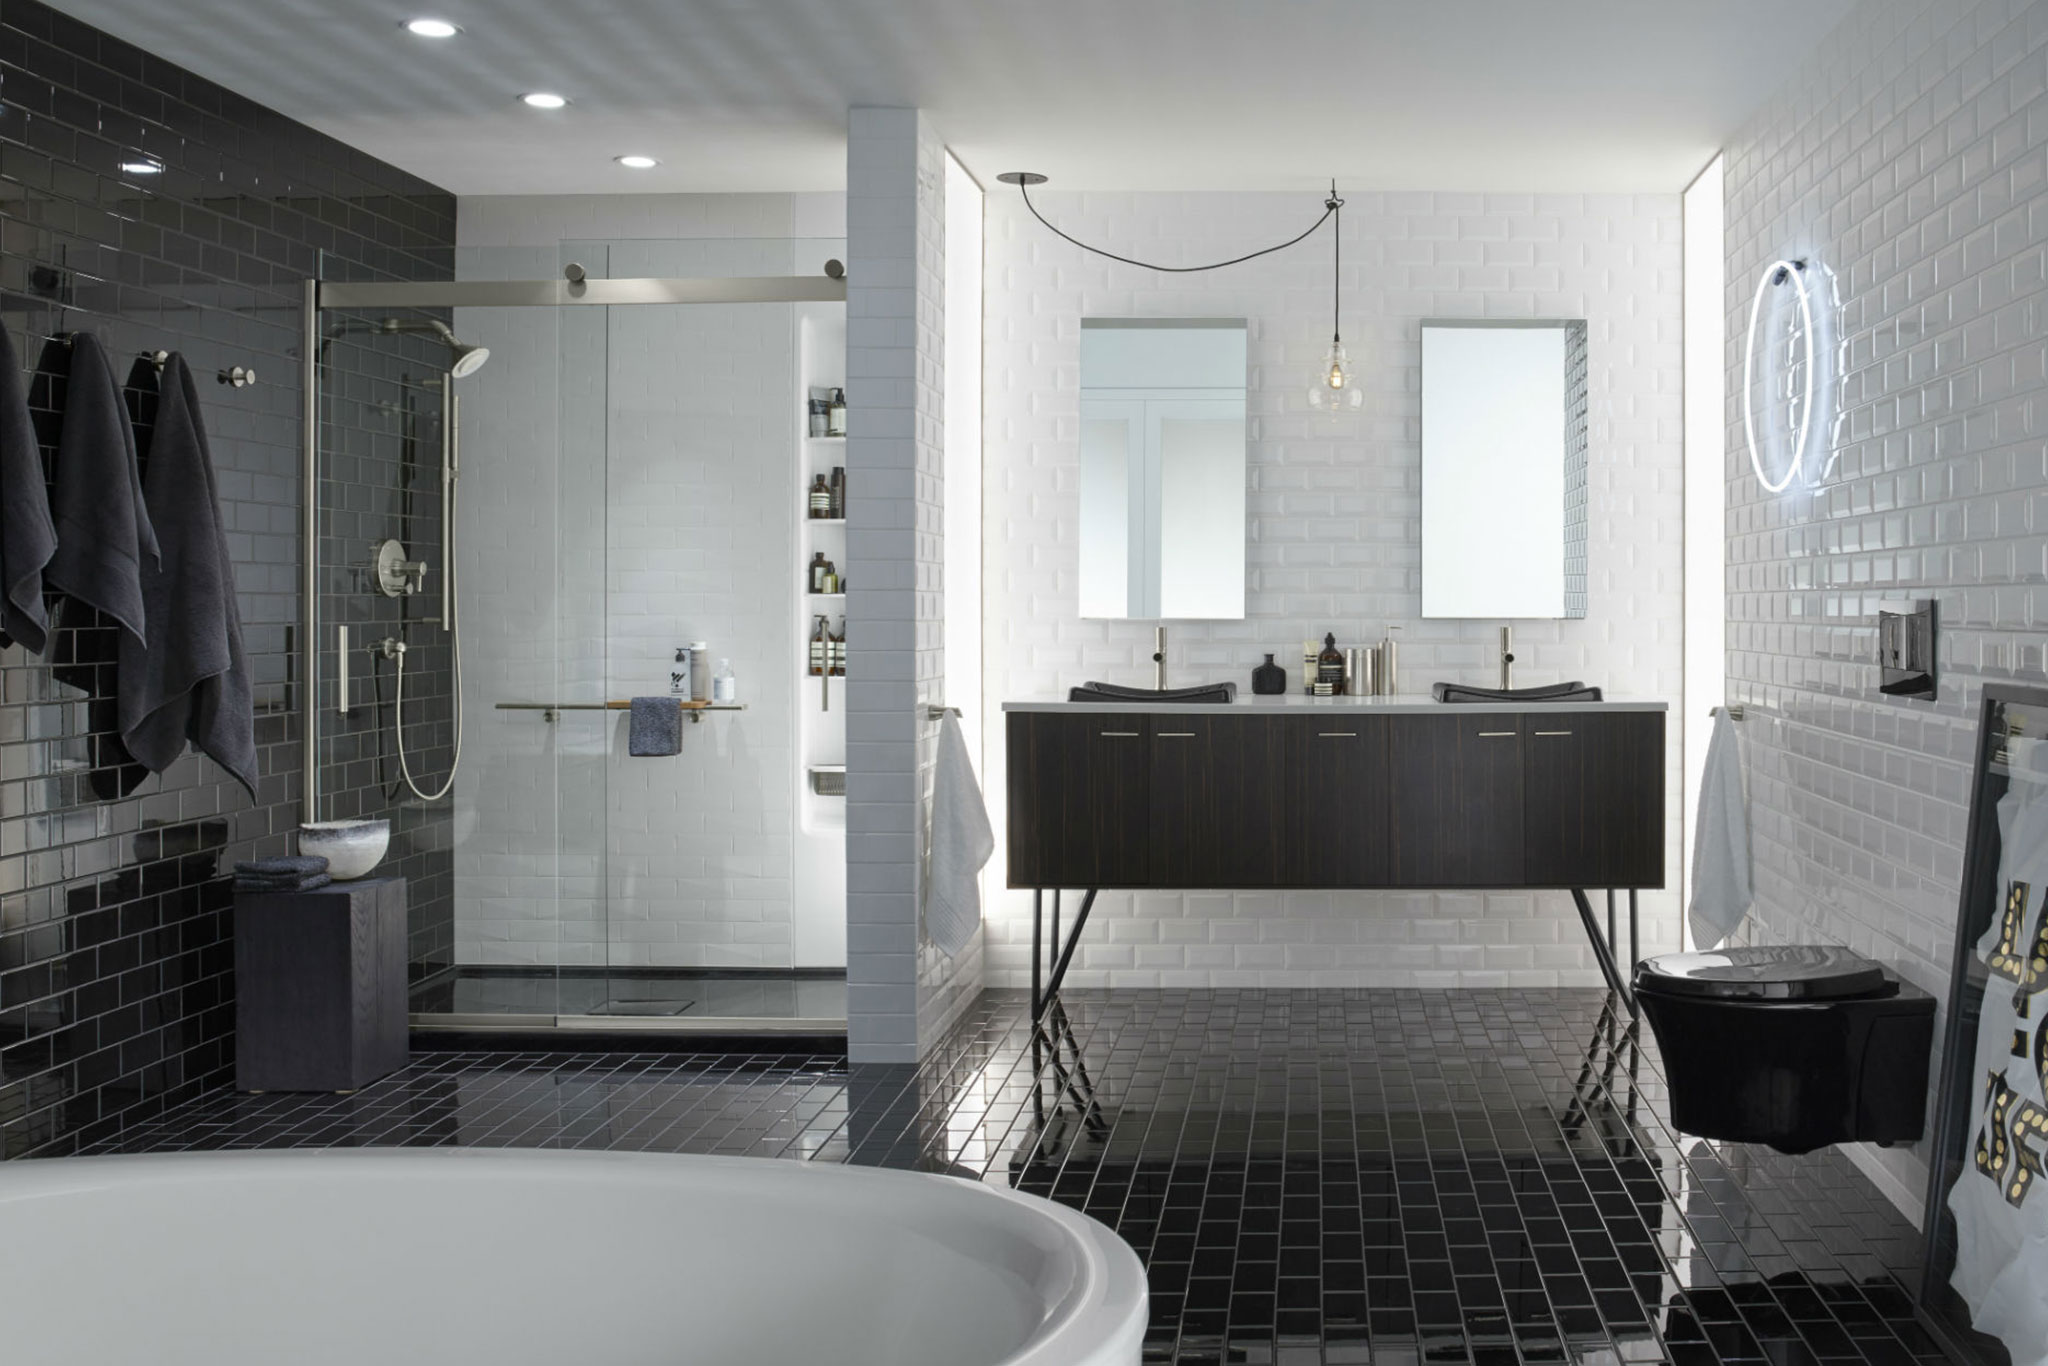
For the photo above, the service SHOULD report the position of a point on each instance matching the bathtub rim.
(1083, 1320)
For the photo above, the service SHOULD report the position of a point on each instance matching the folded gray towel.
(28, 538)
(188, 677)
(104, 536)
(284, 865)
(312, 883)
(654, 728)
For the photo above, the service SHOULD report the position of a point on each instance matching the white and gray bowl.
(351, 848)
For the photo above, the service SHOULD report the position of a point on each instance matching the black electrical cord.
(1330, 206)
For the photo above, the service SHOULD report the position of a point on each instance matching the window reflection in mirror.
(1504, 438)
(1163, 468)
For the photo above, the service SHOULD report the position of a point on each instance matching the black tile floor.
(1404, 1178)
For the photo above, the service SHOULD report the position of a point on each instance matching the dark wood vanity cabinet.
(1080, 800)
(1335, 800)
(1458, 798)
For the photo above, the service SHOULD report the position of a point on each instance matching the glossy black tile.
(1311, 1177)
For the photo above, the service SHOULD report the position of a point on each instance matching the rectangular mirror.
(1504, 468)
(1162, 467)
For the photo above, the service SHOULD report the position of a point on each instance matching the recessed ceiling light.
(544, 99)
(431, 28)
(141, 168)
(637, 163)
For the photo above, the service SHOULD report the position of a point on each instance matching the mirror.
(1162, 467)
(1504, 468)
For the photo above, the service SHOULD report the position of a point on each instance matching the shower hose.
(455, 682)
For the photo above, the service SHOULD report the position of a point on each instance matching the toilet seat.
(1797, 972)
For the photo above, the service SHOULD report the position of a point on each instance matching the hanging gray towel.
(654, 727)
(104, 534)
(961, 843)
(1720, 847)
(189, 678)
(28, 538)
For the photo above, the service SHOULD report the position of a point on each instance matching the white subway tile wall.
(1332, 542)
(1909, 158)
(901, 993)
(667, 517)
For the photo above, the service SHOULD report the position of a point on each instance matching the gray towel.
(284, 865)
(313, 882)
(654, 727)
(189, 679)
(28, 538)
(104, 534)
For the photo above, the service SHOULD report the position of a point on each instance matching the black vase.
(1269, 678)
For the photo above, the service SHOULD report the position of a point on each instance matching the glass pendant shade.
(1334, 386)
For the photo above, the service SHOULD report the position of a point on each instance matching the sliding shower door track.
(626, 1024)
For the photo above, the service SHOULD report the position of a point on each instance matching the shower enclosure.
(528, 488)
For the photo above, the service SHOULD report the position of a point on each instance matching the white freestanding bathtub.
(493, 1256)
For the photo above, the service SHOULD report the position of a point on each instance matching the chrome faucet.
(1159, 658)
(1507, 658)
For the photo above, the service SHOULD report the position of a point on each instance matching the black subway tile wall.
(116, 977)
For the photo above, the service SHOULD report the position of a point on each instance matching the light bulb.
(1334, 387)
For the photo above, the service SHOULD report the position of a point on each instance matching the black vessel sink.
(1111, 692)
(1555, 692)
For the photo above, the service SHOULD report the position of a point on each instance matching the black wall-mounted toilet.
(1796, 1047)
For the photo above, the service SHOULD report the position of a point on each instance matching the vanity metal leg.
(1635, 951)
(1611, 940)
(1037, 952)
(1601, 952)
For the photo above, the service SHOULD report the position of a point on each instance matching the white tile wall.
(1910, 157)
(629, 484)
(901, 993)
(1334, 506)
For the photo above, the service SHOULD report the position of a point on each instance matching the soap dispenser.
(725, 689)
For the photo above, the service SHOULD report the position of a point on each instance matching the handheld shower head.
(466, 358)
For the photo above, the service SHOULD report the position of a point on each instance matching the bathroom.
(547, 356)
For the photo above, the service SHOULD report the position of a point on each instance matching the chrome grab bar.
(695, 709)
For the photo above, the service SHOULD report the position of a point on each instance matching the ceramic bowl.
(351, 848)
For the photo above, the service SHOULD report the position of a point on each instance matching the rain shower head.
(466, 357)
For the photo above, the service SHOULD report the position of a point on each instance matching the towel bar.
(696, 709)
(935, 711)
(1734, 712)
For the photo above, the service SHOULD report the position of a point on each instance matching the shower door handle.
(451, 449)
(341, 670)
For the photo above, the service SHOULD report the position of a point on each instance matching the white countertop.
(1302, 703)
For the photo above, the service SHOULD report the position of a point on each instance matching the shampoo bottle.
(725, 689)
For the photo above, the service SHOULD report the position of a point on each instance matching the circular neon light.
(1790, 270)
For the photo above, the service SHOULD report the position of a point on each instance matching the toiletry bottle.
(818, 570)
(1389, 663)
(725, 689)
(838, 650)
(820, 649)
(816, 415)
(839, 490)
(835, 416)
(1269, 678)
(1309, 654)
(1330, 668)
(831, 577)
(679, 674)
(700, 670)
(821, 497)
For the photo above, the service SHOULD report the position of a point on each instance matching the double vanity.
(1293, 792)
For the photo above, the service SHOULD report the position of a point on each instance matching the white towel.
(1720, 844)
(961, 843)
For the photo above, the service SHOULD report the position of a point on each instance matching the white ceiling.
(1507, 95)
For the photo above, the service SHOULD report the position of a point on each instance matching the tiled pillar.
(895, 332)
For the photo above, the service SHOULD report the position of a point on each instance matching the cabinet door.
(1216, 800)
(1457, 800)
(1079, 799)
(1335, 831)
(1600, 820)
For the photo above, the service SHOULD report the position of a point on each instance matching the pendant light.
(1333, 388)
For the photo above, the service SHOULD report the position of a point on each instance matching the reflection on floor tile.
(1326, 1177)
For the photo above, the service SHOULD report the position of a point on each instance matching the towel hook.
(1734, 712)
(239, 376)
